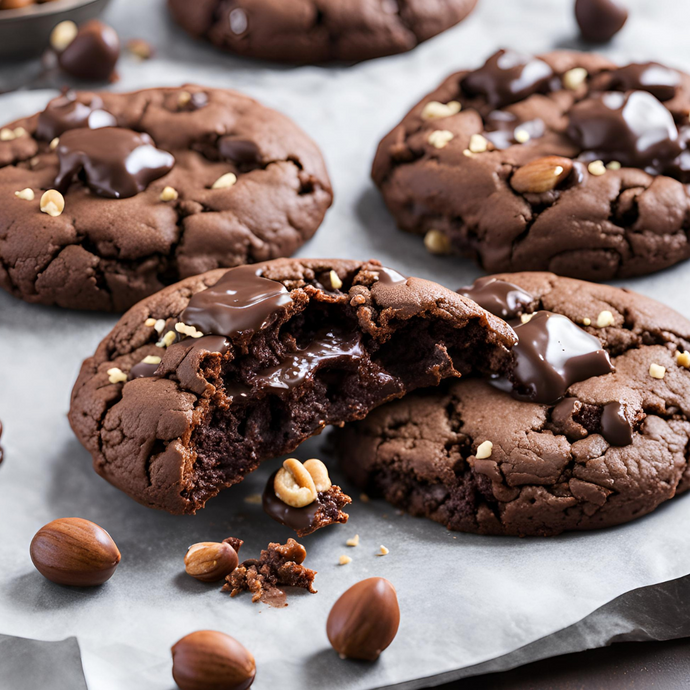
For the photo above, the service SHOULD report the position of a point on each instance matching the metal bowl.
(26, 31)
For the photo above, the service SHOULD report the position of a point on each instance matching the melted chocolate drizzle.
(66, 112)
(143, 370)
(242, 152)
(508, 77)
(113, 162)
(662, 82)
(615, 426)
(499, 297)
(551, 355)
(242, 301)
(634, 129)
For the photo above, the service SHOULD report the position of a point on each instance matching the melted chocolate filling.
(499, 297)
(66, 113)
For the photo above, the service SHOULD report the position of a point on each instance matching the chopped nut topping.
(167, 340)
(683, 359)
(336, 283)
(150, 322)
(253, 499)
(524, 318)
(364, 498)
(34, 161)
(587, 321)
(225, 181)
(604, 319)
(478, 144)
(159, 325)
(437, 243)
(521, 136)
(6, 134)
(188, 330)
(434, 110)
(54, 143)
(19, 132)
(151, 359)
(656, 371)
(26, 194)
(383, 551)
(116, 375)
(169, 194)
(62, 35)
(440, 138)
(596, 168)
(52, 203)
(574, 78)
(294, 485)
(184, 99)
(354, 541)
(140, 48)
(319, 473)
(484, 450)
(468, 153)
(344, 560)
(613, 165)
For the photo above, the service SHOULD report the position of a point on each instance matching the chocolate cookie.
(199, 383)
(562, 162)
(150, 187)
(313, 31)
(557, 444)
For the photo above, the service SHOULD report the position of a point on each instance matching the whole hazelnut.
(72, 551)
(210, 561)
(210, 660)
(365, 620)
(93, 53)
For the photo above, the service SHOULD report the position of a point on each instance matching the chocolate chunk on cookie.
(156, 186)
(562, 162)
(250, 362)
(313, 31)
(587, 429)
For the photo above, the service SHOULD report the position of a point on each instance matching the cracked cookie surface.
(172, 418)
(456, 168)
(107, 254)
(548, 468)
(313, 31)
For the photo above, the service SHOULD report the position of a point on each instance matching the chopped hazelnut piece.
(169, 194)
(683, 359)
(184, 99)
(188, 330)
(484, 450)
(596, 168)
(151, 359)
(613, 165)
(522, 136)
(116, 375)
(19, 132)
(478, 144)
(62, 35)
(440, 138)
(587, 321)
(150, 323)
(574, 78)
(604, 319)
(344, 560)
(354, 541)
(336, 283)
(225, 181)
(383, 551)
(159, 326)
(468, 153)
(656, 371)
(524, 318)
(437, 243)
(26, 194)
(54, 143)
(52, 203)
(167, 340)
(6, 134)
(434, 110)
(140, 48)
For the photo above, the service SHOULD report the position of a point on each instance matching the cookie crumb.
(596, 168)
(225, 181)
(159, 326)
(54, 143)
(434, 110)
(484, 450)
(336, 283)
(604, 319)
(574, 78)
(683, 359)
(521, 136)
(26, 194)
(344, 560)
(440, 138)
(478, 144)
(140, 48)
(354, 541)
(116, 375)
(52, 203)
(656, 371)
(587, 321)
(253, 499)
(383, 551)
(169, 194)
(437, 243)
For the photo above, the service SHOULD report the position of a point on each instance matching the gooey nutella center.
(113, 162)
(66, 113)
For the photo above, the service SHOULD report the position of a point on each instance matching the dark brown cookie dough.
(466, 167)
(313, 31)
(550, 468)
(108, 253)
(305, 344)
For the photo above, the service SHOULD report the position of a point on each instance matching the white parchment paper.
(464, 599)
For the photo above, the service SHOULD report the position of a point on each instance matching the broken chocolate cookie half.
(199, 383)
